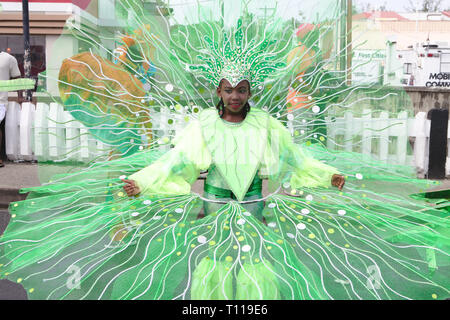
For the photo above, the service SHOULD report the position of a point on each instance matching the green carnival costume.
(81, 237)
(318, 247)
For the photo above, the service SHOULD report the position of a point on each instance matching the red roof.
(446, 13)
(361, 16)
(305, 29)
(391, 15)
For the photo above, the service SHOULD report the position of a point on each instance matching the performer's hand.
(130, 187)
(338, 181)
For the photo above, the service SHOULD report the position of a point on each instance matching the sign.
(438, 80)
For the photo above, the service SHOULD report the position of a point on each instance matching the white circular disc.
(305, 211)
(201, 239)
(169, 87)
(301, 226)
(246, 248)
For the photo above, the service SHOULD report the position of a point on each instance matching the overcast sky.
(397, 5)
(187, 10)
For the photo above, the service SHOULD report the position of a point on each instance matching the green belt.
(254, 189)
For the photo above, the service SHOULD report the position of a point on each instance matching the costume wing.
(80, 237)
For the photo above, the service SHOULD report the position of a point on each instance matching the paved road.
(9, 290)
(4, 220)
(27, 175)
(19, 175)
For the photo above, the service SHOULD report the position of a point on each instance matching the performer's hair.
(221, 106)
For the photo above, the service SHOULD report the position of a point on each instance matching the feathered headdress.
(237, 62)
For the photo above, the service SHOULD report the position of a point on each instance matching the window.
(14, 45)
(445, 63)
(407, 68)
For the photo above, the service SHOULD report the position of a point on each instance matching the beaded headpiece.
(237, 62)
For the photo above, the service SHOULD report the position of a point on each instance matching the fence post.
(26, 121)
(12, 132)
(421, 134)
(383, 129)
(367, 133)
(72, 136)
(438, 143)
(41, 132)
(402, 139)
(348, 135)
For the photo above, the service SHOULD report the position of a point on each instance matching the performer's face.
(235, 98)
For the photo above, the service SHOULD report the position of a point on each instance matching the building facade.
(396, 37)
(51, 36)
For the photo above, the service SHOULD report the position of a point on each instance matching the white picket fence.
(48, 133)
(388, 131)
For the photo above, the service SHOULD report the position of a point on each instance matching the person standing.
(9, 70)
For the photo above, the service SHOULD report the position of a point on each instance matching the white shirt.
(8, 69)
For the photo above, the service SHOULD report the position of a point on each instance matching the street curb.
(8, 195)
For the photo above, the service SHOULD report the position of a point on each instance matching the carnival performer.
(232, 110)
(129, 228)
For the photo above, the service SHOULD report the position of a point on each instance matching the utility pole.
(265, 11)
(222, 13)
(342, 35)
(345, 39)
(349, 41)
(27, 54)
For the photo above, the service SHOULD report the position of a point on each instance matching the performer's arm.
(305, 171)
(175, 171)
